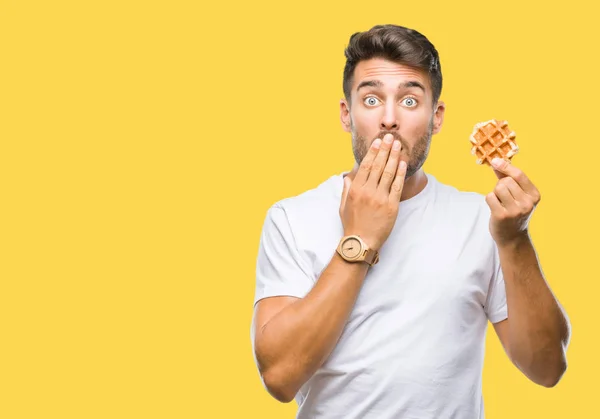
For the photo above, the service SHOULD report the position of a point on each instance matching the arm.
(293, 341)
(296, 341)
(538, 332)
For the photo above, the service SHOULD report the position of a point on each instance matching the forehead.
(388, 72)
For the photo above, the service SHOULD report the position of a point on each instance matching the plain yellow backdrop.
(143, 142)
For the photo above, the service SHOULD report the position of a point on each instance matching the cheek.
(415, 126)
(366, 124)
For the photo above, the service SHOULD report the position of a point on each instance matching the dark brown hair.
(394, 43)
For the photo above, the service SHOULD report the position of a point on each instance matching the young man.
(374, 289)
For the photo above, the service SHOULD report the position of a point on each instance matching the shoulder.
(314, 202)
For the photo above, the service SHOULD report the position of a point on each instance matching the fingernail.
(402, 165)
(496, 161)
(377, 143)
(396, 145)
(388, 138)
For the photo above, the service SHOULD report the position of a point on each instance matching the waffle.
(493, 139)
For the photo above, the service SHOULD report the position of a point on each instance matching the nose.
(389, 121)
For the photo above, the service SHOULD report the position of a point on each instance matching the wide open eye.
(411, 102)
(371, 101)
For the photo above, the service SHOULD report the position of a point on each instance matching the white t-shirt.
(413, 345)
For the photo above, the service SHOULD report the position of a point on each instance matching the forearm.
(539, 330)
(297, 340)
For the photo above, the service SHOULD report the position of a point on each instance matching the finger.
(398, 184)
(380, 161)
(347, 184)
(504, 196)
(505, 167)
(495, 205)
(515, 190)
(391, 167)
(365, 165)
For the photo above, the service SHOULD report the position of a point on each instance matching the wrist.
(368, 241)
(516, 242)
(353, 248)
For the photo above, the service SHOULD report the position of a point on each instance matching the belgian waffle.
(493, 139)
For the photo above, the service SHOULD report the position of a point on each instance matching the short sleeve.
(280, 269)
(495, 307)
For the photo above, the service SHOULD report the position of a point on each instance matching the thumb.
(500, 167)
(499, 174)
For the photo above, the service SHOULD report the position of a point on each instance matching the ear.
(345, 116)
(438, 117)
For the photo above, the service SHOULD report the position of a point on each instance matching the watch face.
(351, 248)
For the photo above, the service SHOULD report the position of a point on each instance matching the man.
(374, 289)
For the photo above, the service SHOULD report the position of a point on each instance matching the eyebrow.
(378, 83)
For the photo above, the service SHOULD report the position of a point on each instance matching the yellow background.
(143, 142)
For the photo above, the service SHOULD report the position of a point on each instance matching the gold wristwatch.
(354, 249)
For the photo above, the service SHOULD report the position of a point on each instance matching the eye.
(371, 101)
(411, 102)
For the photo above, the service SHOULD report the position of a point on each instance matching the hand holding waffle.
(515, 197)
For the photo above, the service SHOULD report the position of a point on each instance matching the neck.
(412, 186)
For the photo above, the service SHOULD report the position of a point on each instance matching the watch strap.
(371, 256)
